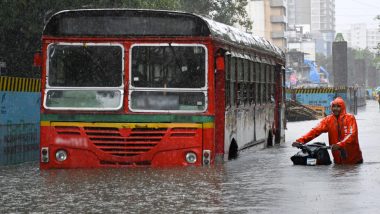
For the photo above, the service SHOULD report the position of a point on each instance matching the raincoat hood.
(339, 101)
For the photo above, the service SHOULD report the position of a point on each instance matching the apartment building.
(360, 37)
(319, 15)
(269, 19)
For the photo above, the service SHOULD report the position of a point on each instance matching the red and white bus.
(127, 88)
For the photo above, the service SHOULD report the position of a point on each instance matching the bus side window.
(251, 82)
(262, 80)
(262, 83)
(273, 84)
(240, 81)
(233, 81)
(257, 80)
(227, 86)
(267, 83)
(246, 82)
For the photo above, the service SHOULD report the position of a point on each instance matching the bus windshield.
(168, 66)
(168, 78)
(85, 65)
(83, 76)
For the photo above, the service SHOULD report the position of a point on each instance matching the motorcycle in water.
(315, 153)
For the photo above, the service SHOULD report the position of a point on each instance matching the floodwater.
(262, 181)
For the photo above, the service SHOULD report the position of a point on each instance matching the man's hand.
(297, 144)
(335, 147)
(343, 152)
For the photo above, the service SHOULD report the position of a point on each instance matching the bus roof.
(140, 22)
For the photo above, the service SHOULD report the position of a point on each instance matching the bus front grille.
(124, 142)
(67, 130)
(128, 142)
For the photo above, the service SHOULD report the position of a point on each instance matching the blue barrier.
(19, 127)
(316, 99)
(353, 97)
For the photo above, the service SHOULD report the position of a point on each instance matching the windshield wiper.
(177, 62)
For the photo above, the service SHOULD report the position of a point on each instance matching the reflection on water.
(263, 181)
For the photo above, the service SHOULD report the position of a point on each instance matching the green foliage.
(353, 55)
(22, 21)
(226, 11)
(363, 54)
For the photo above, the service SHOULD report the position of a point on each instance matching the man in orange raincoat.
(343, 134)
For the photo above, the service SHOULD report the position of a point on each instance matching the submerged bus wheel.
(270, 139)
(277, 136)
(233, 151)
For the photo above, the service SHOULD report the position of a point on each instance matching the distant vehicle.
(154, 88)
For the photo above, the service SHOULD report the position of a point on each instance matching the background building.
(373, 40)
(319, 16)
(269, 19)
(360, 37)
(299, 39)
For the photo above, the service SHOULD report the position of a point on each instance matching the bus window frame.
(251, 82)
(267, 83)
(258, 82)
(263, 83)
(233, 81)
(132, 88)
(240, 81)
(245, 81)
(273, 85)
(60, 88)
(86, 44)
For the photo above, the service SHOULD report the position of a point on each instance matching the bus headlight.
(61, 155)
(191, 157)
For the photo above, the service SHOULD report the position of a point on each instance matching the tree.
(22, 21)
(226, 11)
(365, 55)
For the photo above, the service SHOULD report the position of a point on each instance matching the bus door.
(279, 103)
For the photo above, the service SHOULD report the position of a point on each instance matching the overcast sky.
(356, 11)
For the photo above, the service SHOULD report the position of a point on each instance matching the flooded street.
(257, 182)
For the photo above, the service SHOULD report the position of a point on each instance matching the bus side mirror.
(37, 59)
(220, 63)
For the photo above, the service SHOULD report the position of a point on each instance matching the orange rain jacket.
(342, 131)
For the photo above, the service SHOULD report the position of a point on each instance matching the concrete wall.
(340, 71)
(19, 120)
